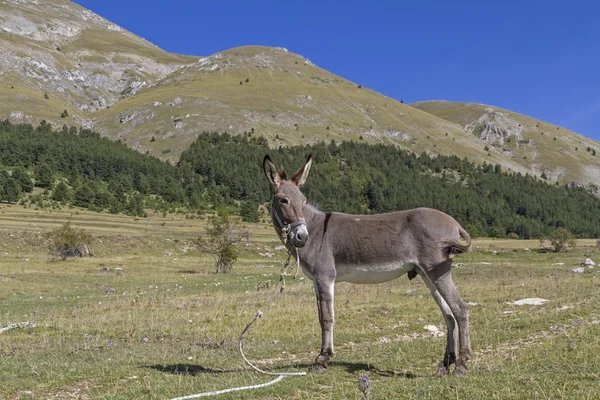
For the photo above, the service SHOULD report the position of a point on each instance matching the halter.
(287, 228)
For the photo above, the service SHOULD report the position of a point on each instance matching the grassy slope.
(152, 330)
(551, 147)
(283, 90)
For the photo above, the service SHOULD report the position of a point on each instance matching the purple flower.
(364, 384)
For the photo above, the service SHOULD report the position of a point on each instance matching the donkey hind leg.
(324, 292)
(460, 310)
(450, 353)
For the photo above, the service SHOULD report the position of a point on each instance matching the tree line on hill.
(79, 167)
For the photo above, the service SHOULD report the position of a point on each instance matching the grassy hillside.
(545, 148)
(281, 96)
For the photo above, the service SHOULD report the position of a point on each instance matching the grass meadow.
(146, 318)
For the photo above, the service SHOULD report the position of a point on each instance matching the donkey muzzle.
(298, 233)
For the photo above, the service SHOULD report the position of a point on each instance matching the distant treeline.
(77, 166)
(361, 178)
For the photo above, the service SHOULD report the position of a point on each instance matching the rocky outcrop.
(495, 127)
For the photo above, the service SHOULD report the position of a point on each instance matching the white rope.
(195, 396)
(17, 325)
(259, 314)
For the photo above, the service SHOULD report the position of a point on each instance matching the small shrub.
(64, 114)
(67, 241)
(560, 239)
(223, 235)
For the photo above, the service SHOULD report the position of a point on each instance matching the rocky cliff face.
(76, 57)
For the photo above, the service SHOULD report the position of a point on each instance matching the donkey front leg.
(324, 292)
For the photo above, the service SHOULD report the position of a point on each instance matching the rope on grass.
(218, 392)
(280, 375)
(8, 327)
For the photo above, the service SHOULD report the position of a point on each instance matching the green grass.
(157, 328)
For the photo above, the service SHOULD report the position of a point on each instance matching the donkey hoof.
(442, 370)
(460, 370)
(317, 369)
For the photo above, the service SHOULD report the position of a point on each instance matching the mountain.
(557, 153)
(57, 56)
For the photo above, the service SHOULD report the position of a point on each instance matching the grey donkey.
(335, 247)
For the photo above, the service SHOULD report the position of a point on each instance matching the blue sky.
(539, 58)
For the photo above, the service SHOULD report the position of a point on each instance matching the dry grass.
(166, 326)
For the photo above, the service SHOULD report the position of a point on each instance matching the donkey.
(335, 247)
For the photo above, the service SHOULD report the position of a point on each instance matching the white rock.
(588, 263)
(472, 303)
(484, 263)
(431, 328)
(532, 301)
(578, 270)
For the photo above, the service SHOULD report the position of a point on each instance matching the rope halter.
(286, 229)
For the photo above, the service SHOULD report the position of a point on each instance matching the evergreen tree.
(43, 176)
(61, 192)
(249, 211)
(10, 190)
(135, 206)
(22, 177)
(84, 195)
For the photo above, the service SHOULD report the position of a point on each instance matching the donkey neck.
(314, 218)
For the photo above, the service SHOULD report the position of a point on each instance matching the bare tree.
(223, 234)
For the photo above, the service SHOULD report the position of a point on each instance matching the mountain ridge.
(57, 56)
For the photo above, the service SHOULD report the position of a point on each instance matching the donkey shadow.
(351, 368)
(189, 369)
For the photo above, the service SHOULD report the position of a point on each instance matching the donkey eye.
(284, 201)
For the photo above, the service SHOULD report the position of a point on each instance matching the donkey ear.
(300, 176)
(271, 171)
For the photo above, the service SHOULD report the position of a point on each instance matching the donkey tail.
(454, 246)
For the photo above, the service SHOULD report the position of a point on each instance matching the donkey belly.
(372, 273)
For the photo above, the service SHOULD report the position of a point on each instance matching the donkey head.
(288, 202)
